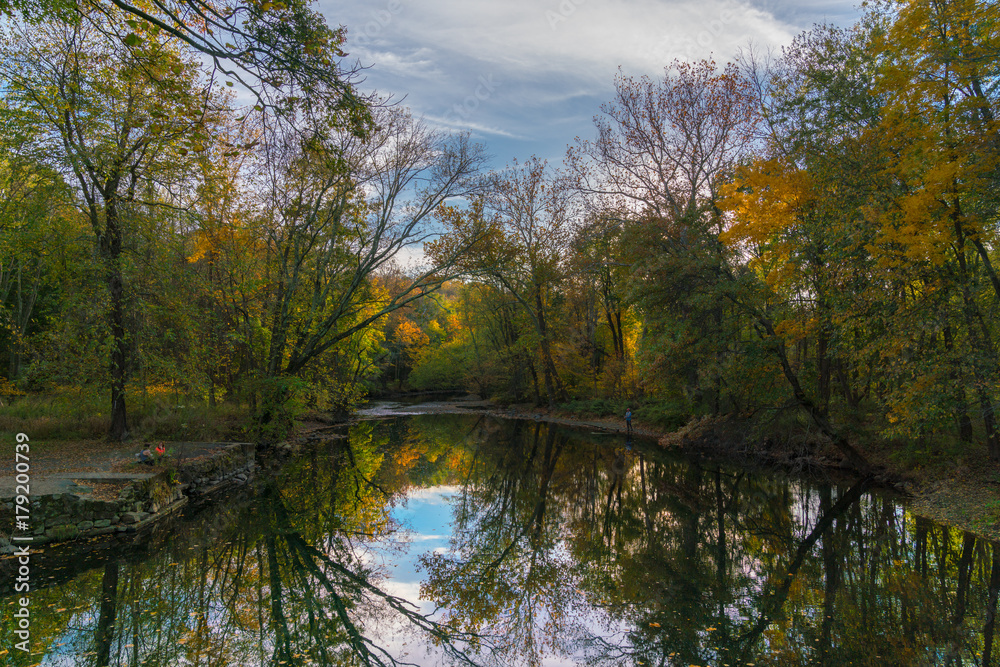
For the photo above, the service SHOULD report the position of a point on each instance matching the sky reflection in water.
(444, 539)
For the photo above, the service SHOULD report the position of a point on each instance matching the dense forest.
(200, 207)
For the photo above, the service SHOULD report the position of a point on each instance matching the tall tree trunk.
(721, 550)
(961, 402)
(823, 361)
(615, 325)
(830, 568)
(283, 640)
(553, 386)
(534, 382)
(549, 459)
(111, 247)
(980, 337)
(964, 576)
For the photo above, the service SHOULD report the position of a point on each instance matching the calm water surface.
(459, 539)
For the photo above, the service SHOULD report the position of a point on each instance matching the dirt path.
(96, 468)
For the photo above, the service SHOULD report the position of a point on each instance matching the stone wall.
(234, 465)
(67, 516)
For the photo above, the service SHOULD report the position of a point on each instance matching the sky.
(526, 77)
(427, 519)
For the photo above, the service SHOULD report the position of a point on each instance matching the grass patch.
(76, 414)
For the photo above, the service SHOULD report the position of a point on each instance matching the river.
(438, 539)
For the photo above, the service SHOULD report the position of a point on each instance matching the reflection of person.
(628, 420)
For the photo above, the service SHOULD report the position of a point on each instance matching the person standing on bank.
(628, 420)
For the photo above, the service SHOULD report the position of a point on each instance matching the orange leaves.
(766, 199)
(409, 335)
(939, 122)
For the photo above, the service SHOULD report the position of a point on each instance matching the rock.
(85, 525)
(132, 517)
(64, 532)
(102, 523)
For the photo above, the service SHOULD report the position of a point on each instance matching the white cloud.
(419, 63)
(433, 495)
(528, 75)
(581, 39)
(411, 257)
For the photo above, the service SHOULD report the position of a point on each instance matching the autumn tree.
(336, 210)
(283, 53)
(34, 208)
(100, 120)
(600, 270)
(799, 203)
(656, 165)
(523, 254)
(938, 73)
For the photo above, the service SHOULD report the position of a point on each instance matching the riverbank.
(85, 489)
(963, 493)
(81, 489)
(75, 490)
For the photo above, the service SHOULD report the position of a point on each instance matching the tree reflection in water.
(613, 557)
(564, 547)
(283, 578)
